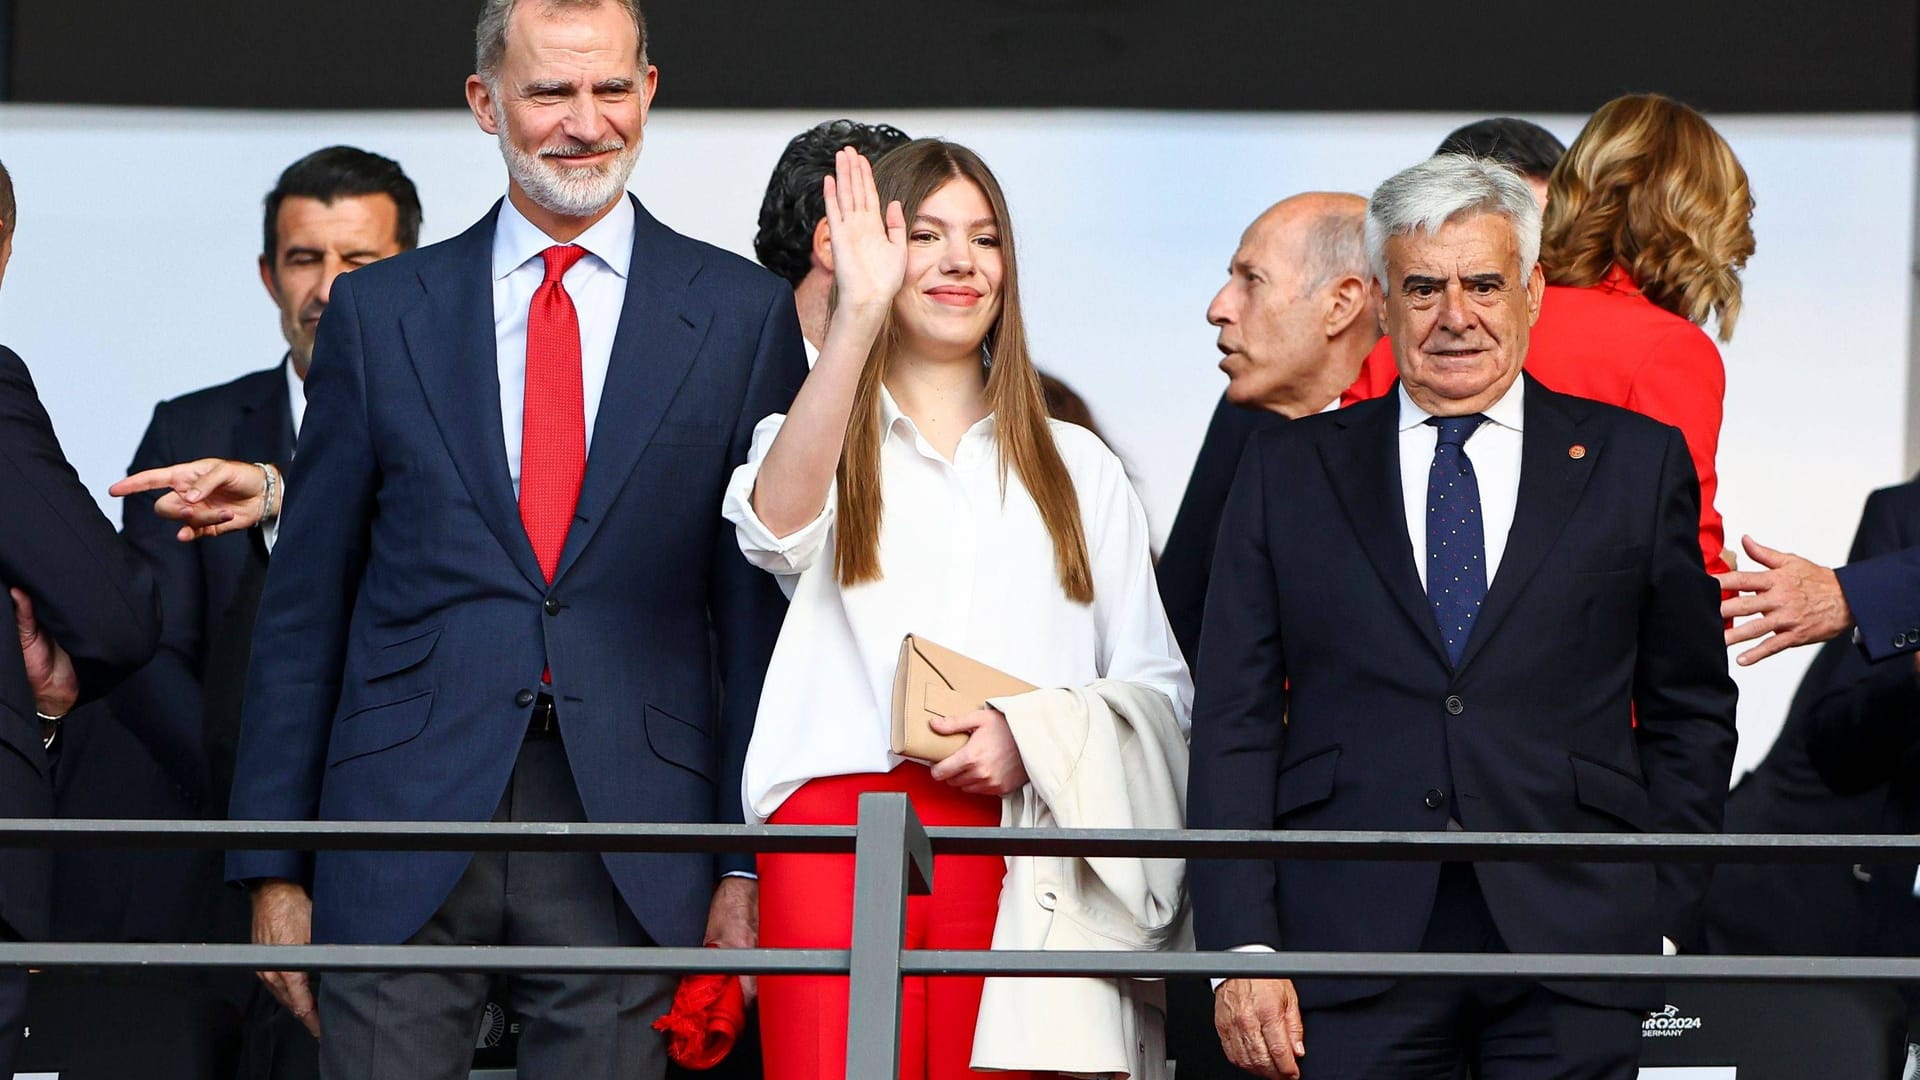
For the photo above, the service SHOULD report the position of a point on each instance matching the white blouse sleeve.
(783, 556)
(1136, 643)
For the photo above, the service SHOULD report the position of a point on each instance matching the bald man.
(1296, 319)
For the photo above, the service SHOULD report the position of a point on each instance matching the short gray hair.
(1444, 187)
(490, 33)
(1334, 246)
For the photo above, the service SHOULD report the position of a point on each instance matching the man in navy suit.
(84, 607)
(504, 589)
(1446, 609)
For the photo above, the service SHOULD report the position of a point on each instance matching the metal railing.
(893, 857)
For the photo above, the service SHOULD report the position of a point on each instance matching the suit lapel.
(1551, 482)
(450, 340)
(263, 427)
(661, 328)
(1363, 464)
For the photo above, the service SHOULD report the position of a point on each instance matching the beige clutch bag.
(932, 681)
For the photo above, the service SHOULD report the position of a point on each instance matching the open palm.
(869, 248)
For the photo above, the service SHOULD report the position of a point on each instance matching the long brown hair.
(1651, 186)
(911, 174)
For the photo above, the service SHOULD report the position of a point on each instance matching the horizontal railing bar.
(1486, 966)
(568, 960)
(1163, 843)
(546, 959)
(78, 833)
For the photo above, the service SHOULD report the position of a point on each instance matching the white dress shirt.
(1494, 449)
(598, 286)
(965, 567)
(296, 396)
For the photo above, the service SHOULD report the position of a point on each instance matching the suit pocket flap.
(1305, 782)
(401, 655)
(1609, 791)
(380, 727)
(676, 741)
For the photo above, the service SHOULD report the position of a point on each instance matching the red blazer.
(1609, 343)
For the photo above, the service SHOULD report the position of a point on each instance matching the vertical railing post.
(891, 857)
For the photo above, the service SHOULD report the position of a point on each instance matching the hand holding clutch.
(933, 681)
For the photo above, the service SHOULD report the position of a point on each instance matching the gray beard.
(569, 192)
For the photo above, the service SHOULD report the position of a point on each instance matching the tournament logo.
(1668, 1024)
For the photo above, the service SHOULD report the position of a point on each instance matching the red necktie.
(553, 438)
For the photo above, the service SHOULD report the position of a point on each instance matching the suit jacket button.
(1455, 706)
(1436, 799)
(523, 699)
(553, 606)
(1899, 641)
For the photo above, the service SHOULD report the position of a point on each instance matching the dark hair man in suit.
(503, 589)
(792, 238)
(84, 608)
(1473, 604)
(1530, 149)
(330, 212)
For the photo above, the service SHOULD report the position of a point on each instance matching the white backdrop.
(133, 274)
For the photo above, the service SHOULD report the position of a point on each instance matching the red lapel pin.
(1576, 451)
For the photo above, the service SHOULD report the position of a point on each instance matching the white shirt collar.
(1508, 412)
(517, 240)
(296, 394)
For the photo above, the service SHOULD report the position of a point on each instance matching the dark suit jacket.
(1187, 561)
(89, 591)
(1884, 593)
(146, 752)
(1864, 736)
(1600, 612)
(406, 622)
(1814, 910)
(164, 703)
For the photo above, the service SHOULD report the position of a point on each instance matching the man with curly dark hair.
(792, 239)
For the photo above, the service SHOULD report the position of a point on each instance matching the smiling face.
(950, 296)
(315, 242)
(1459, 310)
(568, 105)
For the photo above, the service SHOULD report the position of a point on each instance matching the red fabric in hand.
(707, 1015)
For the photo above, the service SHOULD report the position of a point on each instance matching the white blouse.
(963, 567)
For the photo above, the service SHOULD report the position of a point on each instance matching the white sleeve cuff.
(786, 556)
(270, 532)
(1243, 948)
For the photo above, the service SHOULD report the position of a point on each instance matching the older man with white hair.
(1446, 609)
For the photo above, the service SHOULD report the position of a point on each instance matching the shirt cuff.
(1243, 948)
(784, 555)
(270, 532)
(748, 874)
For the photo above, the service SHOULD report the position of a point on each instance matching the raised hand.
(869, 246)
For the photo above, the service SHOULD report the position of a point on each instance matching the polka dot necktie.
(1456, 535)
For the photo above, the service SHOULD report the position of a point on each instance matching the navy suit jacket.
(1820, 777)
(1884, 594)
(1325, 699)
(164, 703)
(1864, 736)
(405, 621)
(88, 590)
(1187, 560)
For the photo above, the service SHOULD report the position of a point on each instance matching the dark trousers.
(1433, 1030)
(422, 1026)
(13, 1013)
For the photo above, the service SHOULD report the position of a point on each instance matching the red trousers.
(806, 901)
